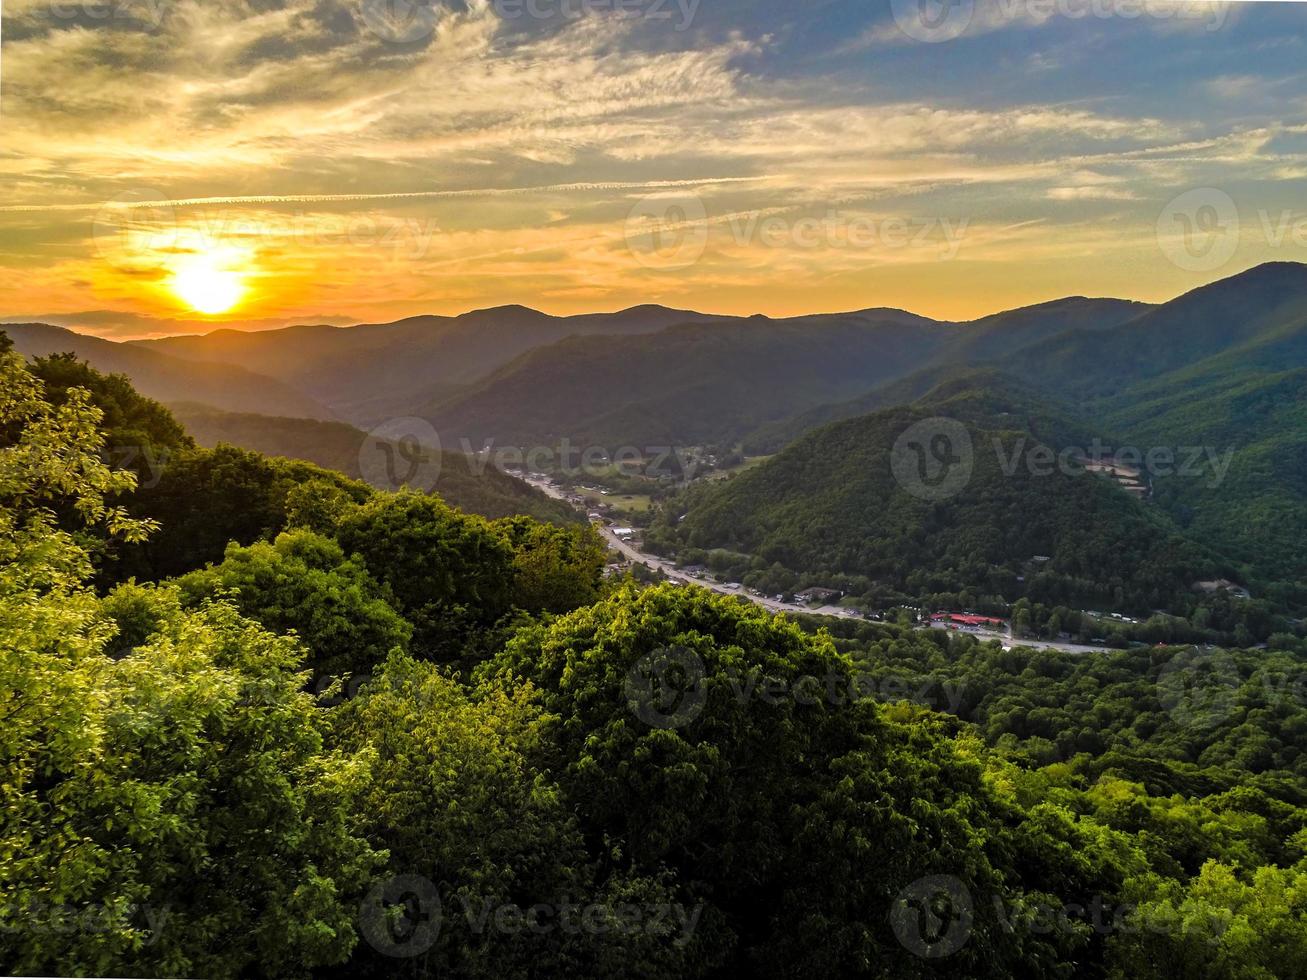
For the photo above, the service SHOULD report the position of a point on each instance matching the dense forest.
(261, 719)
(1028, 521)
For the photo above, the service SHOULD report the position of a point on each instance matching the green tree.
(1221, 925)
(698, 734)
(451, 574)
(463, 811)
(207, 498)
(140, 434)
(302, 583)
(555, 569)
(172, 811)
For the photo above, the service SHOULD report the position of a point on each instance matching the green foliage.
(50, 457)
(1058, 705)
(555, 569)
(302, 583)
(205, 499)
(845, 806)
(1223, 925)
(201, 855)
(139, 432)
(459, 804)
(173, 811)
(176, 803)
(451, 574)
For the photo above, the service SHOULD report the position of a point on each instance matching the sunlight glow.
(205, 284)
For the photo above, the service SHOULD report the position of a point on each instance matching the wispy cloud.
(492, 162)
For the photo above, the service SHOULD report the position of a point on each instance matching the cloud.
(940, 21)
(489, 161)
(1090, 194)
(125, 325)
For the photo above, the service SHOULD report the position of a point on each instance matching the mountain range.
(496, 374)
(1213, 385)
(1221, 369)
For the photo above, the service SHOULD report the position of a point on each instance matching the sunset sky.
(275, 161)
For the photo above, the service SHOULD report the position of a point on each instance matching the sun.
(205, 284)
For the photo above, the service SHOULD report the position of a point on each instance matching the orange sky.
(225, 164)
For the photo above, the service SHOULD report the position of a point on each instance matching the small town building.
(817, 594)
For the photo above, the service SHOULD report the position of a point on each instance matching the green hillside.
(1221, 370)
(334, 716)
(1265, 307)
(689, 385)
(336, 446)
(1256, 424)
(1213, 381)
(834, 504)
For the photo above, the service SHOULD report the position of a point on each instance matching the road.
(669, 568)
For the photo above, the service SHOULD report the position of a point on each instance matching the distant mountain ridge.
(369, 373)
(376, 371)
(652, 375)
(165, 378)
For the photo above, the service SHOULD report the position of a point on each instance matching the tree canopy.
(533, 771)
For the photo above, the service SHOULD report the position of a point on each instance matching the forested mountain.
(169, 378)
(472, 485)
(688, 385)
(1255, 424)
(1220, 370)
(368, 713)
(1103, 356)
(1261, 314)
(774, 436)
(1213, 382)
(851, 500)
(629, 364)
(694, 386)
(373, 372)
(1000, 334)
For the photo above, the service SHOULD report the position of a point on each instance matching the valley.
(663, 407)
(630, 551)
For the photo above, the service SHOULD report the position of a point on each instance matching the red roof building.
(966, 619)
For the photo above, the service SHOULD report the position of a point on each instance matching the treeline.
(383, 737)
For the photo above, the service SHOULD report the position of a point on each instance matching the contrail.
(400, 196)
